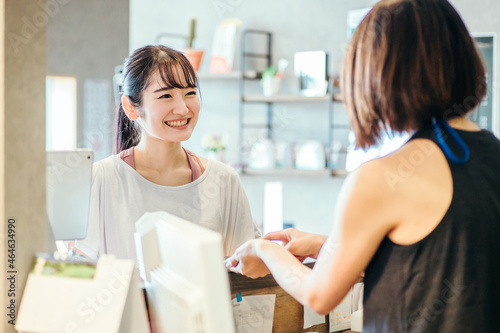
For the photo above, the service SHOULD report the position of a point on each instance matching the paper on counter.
(357, 321)
(357, 296)
(340, 317)
(254, 314)
(311, 318)
(357, 307)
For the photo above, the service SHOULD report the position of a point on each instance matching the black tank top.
(450, 280)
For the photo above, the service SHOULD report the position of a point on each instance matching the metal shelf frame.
(244, 99)
(243, 55)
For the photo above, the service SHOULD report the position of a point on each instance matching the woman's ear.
(129, 108)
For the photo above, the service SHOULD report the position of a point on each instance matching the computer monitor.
(69, 178)
(186, 281)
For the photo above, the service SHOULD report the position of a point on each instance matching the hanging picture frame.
(311, 68)
(487, 114)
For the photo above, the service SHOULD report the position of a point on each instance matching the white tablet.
(69, 178)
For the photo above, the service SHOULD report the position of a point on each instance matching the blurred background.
(87, 40)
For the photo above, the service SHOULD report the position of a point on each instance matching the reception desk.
(288, 313)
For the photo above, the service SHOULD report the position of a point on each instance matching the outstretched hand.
(245, 260)
(300, 244)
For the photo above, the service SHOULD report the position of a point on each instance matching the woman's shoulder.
(416, 157)
(220, 169)
(212, 165)
(404, 176)
(106, 166)
(389, 188)
(222, 166)
(107, 162)
(203, 161)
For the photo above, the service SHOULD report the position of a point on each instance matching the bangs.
(171, 69)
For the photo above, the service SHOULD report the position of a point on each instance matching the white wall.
(297, 25)
(22, 145)
(479, 16)
(86, 40)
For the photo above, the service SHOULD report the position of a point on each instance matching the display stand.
(71, 296)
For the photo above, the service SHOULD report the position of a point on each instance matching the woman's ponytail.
(127, 134)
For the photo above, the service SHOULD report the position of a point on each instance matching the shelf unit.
(288, 172)
(219, 76)
(269, 101)
(281, 99)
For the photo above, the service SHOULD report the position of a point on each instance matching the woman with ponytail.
(151, 171)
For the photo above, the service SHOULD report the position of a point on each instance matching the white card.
(254, 314)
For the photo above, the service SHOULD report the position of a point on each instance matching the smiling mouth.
(178, 123)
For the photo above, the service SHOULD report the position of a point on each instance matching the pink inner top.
(197, 168)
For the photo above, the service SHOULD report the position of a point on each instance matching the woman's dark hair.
(410, 61)
(137, 71)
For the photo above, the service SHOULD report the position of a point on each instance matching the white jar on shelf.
(271, 85)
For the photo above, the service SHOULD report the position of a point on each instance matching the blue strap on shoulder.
(454, 135)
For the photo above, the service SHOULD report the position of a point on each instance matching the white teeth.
(177, 123)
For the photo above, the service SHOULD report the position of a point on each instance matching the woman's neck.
(463, 123)
(159, 155)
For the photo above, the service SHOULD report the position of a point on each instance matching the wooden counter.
(288, 313)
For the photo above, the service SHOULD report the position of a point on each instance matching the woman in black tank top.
(422, 223)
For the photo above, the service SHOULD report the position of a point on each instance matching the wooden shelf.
(282, 99)
(234, 75)
(218, 76)
(339, 173)
(286, 98)
(337, 97)
(292, 173)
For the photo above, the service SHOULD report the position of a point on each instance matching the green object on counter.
(64, 268)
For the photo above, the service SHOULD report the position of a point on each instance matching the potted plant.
(214, 146)
(271, 78)
(194, 56)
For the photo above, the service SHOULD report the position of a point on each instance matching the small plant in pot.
(194, 56)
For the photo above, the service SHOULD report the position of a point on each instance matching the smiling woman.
(167, 113)
(151, 171)
(157, 82)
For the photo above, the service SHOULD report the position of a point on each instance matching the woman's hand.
(300, 244)
(245, 260)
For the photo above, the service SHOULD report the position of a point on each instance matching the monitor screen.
(69, 178)
(182, 265)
